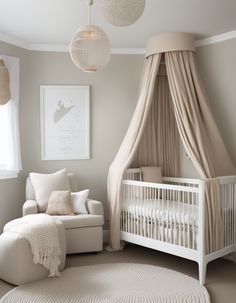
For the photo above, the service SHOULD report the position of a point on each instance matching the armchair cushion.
(30, 207)
(45, 184)
(78, 200)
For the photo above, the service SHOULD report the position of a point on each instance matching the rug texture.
(112, 283)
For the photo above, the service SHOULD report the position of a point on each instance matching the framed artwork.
(65, 122)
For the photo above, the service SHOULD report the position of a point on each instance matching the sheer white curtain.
(10, 158)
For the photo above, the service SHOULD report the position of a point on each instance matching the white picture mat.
(65, 122)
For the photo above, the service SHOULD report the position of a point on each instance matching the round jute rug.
(112, 283)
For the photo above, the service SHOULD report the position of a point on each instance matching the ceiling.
(53, 22)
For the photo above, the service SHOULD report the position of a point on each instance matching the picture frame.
(65, 122)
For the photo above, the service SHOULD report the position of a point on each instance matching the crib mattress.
(170, 212)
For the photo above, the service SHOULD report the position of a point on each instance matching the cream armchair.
(84, 232)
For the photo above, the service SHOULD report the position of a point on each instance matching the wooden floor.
(221, 274)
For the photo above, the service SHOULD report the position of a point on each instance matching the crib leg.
(202, 266)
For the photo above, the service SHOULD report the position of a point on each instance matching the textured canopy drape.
(196, 128)
(160, 136)
(128, 148)
(200, 137)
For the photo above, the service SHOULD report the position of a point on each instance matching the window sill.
(4, 174)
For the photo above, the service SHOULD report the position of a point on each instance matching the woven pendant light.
(122, 12)
(90, 47)
(5, 94)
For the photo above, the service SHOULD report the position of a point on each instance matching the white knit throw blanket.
(42, 234)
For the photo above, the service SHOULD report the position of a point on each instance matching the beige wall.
(113, 99)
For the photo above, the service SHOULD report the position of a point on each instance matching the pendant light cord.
(90, 3)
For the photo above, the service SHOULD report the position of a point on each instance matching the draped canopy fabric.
(128, 148)
(200, 137)
(196, 127)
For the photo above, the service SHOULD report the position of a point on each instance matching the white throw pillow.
(78, 200)
(45, 184)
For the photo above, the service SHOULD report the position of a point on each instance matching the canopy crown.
(168, 42)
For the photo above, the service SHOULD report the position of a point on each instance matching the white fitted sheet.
(170, 212)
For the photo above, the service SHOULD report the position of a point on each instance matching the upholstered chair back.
(30, 193)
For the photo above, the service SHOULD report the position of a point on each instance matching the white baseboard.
(106, 235)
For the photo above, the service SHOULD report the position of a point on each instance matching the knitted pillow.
(60, 203)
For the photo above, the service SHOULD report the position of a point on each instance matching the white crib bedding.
(170, 212)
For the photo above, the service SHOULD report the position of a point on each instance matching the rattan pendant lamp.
(5, 94)
(122, 12)
(90, 47)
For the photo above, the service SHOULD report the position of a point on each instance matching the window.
(10, 160)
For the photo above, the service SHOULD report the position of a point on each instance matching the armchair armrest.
(30, 207)
(94, 207)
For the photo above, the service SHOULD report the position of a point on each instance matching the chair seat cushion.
(83, 220)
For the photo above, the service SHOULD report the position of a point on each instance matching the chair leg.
(202, 266)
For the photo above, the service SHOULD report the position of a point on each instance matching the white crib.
(170, 216)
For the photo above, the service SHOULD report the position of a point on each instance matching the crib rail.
(136, 174)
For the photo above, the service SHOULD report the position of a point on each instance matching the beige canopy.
(172, 106)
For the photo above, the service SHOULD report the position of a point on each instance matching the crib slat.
(174, 219)
(159, 213)
(188, 223)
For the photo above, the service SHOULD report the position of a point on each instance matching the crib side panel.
(164, 212)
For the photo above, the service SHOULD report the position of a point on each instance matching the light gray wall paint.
(113, 98)
(114, 93)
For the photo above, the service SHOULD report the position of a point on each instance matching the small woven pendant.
(122, 12)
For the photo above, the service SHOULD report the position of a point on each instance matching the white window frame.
(14, 167)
